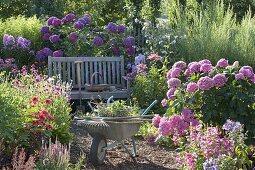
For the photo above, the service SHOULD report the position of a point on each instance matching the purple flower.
(40, 55)
(187, 114)
(222, 63)
(70, 17)
(247, 71)
(194, 67)
(239, 76)
(170, 94)
(58, 53)
(205, 83)
(156, 121)
(112, 27)
(168, 75)
(192, 87)
(205, 61)
(54, 38)
(180, 64)
(116, 51)
(47, 51)
(130, 51)
(23, 42)
(73, 37)
(98, 41)
(139, 59)
(50, 20)
(173, 82)
(219, 80)
(205, 68)
(129, 41)
(8, 40)
(176, 72)
(78, 25)
(56, 22)
(87, 19)
(231, 126)
(46, 37)
(121, 28)
(45, 29)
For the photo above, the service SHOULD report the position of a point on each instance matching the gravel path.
(150, 157)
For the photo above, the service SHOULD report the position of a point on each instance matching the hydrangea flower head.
(23, 42)
(192, 87)
(70, 17)
(58, 53)
(130, 50)
(194, 67)
(45, 29)
(205, 83)
(87, 19)
(180, 64)
(50, 20)
(170, 93)
(8, 40)
(187, 114)
(176, 72)
(112, 27)
(73, 37)
(222, 63)
(139, 59)
(239, 76)
(56, 22)
(54, 38)
(98, 41)
(219, 80)
(173, 82)
(116, 51)
(187, 73)
(46, 37)
(205, 61)
(247, 71)
(129, 41)
(78, 25)
(47, 51)
(164, 127)
(121, 28)
(205, 68)
(156, 121)
(164, 102)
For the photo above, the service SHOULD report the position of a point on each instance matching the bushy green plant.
(33, 107)
(150, 85)
(212, 33)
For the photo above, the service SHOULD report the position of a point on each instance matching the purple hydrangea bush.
(79, 36)
(18, 48)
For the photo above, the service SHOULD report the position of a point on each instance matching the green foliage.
(28, 28)
(117, 109)
(32, 109)
(149, 87)
(212, 33)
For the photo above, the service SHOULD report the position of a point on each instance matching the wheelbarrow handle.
(148, 108)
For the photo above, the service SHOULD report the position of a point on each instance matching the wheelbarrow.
(116, 129)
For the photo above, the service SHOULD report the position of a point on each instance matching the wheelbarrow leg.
(134, 146)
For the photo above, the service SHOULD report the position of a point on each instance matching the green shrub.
(213, 33)
(33, 108)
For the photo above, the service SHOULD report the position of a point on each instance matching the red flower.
(44, 112)
(48, 127)
(34, 100)
(41, 116)
(48, 101)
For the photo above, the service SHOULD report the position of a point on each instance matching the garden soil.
(150, 157)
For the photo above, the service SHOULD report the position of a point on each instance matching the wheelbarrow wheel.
(97, 154)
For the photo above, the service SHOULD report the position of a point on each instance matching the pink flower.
(164, 127)
(205, 83)
(175, 72)
(222, 63)
(192, 87)
(205, 68)
(154, 57)
(164, 102)
(239, 76)
(191, 160)
(187, 73)
(141, 68)
(194, 122)
(173, 82)
(180, 65)
(205, 61)
(194, 67)
(247, 71)
(34, 100)
(219, 80)
(156, 121)
(168, 75)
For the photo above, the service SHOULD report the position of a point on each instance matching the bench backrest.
(110, 68)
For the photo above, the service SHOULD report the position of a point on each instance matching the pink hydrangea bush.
(214, 93)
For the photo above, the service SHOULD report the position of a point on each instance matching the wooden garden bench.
(79, 70)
